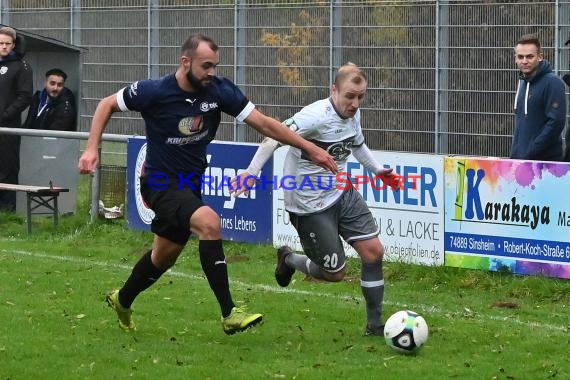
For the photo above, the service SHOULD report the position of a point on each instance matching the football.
(406, 331)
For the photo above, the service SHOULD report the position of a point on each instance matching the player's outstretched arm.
(365, 157)
(90, 158)
(274, 129)
(244, 182)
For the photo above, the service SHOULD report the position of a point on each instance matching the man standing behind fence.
(53, 107)
(16, 87)
(540, 105)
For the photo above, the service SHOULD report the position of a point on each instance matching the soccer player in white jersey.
(328, 208)
(182, 112)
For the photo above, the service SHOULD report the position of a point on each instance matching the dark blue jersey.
(179, 124)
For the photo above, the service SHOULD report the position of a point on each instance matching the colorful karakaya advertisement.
(410, 219)
(507, 215)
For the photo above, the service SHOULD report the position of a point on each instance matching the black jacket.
(58, 115)
(16, 87)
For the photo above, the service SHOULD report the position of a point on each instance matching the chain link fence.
(442, 76)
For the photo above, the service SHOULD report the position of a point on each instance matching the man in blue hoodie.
(540, 105)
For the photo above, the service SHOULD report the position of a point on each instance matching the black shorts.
(173, 204)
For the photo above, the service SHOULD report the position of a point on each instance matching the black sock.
(143, 275)
(372, 285)
(214, 266)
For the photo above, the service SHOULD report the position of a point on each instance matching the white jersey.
(314, 188)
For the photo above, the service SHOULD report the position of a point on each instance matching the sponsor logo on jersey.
(133, 89)
(191, 125)
(3, 70)
(340, 150)
(205, 106)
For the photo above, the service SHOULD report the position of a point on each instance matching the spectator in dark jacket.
(16, 88)
(54, 106)
(540, 105)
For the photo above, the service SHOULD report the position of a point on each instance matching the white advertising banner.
(410, 219)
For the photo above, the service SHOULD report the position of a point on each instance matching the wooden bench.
(38, 196)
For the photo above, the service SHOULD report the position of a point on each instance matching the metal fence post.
(5, 12)
(153, 37)
(240, 39)
(335, 47)
(75, 21)
(95, 183)
(441, 127)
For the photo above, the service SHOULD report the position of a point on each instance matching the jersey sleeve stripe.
(245, 112)
(121, 100)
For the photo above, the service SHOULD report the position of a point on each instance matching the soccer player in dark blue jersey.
(182, 112)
